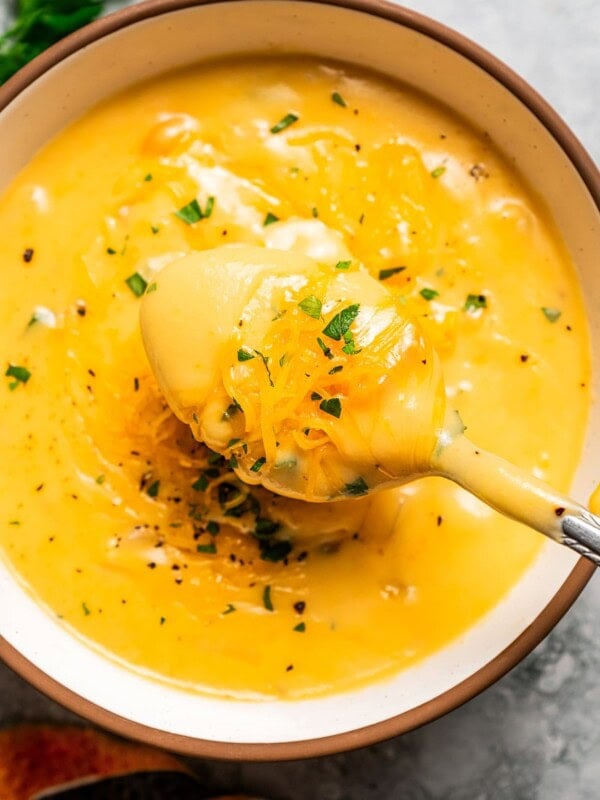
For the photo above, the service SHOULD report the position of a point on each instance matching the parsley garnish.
(475, 301)
(266, 598)
(213, 527)
(201, 484)
(152, 288)
(438, 172)
(86, 610)
(312, 306)
(326, 350)
(284, 123)
(153, 489)
(229, 610)
(551, 314)
(337, 98)
(148, 177)
(244, 355)
(350, 346)
(155, 229)
(20, 375)
(137, 284)
(343, 265)
(265, 361)
(270, 219)
(100, 479)
(258, 464)
(315, 396)
(210, 548)
(300, 627)
(428, 294)
(340, 324)
(356, 487)
(332, 406)
(334, 370)
(111, 251)
(315, 212)
(192, 212)
(274, 551)
(384, 274)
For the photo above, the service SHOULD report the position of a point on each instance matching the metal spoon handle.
(581, 532)
(519, 495)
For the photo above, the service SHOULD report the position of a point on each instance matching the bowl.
(160, 35)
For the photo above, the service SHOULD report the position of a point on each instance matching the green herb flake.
(340, 324)
(428, 294)
(153, 489)
(284, 123)
(229, 610)
(192, 212)
(137, 284)
(315, 396)
(162, 620)
(265, 361)
(100, 479)
(270, 219)
(315, 212)
(438, 172)
(20, 374)
(213, 527)
(155, 229)
(338, 99)
(210, 548)
(244, 355)
(551, 314)
(266, 598)
(335, 370)
(300, 627)
(326, 350)
(201, 484)
(274, 551)
(111, 251)
(86, 610)
(148, 177)
(232, 443)
(283, 360)
(14, 522)
(343, 265)
(332, 406)
(384, 274)
(356, 488)
(475, 301)
(312, 306)
(258, 464)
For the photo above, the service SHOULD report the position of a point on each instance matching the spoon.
(317, 386)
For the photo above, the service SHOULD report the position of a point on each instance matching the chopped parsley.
(153, 489)
(274, 551)
(265, 361)
(343, 265)
(244, 355)
(270, 219)
(148, 177)
(300, 627)
(86, 610)
(350, 346)
(213, 527)
(210, 548)
(438, 172)
(201, 484)
(284, 123)
(229, 610)
(356, 487)
(551, 314)
(155, 229)
(233, 442)
(428, 294)
(340, 324)
(326, 350)
(258, 464)
(384, 274)
(266, 598)
(192, 212)
(335, 370)
(338, 99)
(111, 251)
(100, 479)
(312, 306)
(20, 375)
(152, 288)
(475, 301)
(332, 406)
(315, 396)
(137, 284)
(315, 212)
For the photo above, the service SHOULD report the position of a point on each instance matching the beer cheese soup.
(143, 540)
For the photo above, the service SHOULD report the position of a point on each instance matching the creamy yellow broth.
(105, 497)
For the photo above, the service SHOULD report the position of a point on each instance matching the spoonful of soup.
(313, 382)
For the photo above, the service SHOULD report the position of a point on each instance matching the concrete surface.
(535, 735)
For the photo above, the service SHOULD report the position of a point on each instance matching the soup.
(141, 539)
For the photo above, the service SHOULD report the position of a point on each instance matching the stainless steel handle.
(581, 532)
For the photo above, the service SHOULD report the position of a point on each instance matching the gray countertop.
(535, 735)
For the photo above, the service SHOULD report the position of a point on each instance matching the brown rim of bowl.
(563, 598)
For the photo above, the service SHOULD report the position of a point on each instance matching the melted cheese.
(105, 496)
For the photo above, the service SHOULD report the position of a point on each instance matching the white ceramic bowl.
(160, 35)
